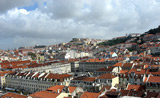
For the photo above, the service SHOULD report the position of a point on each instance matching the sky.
(47, 22)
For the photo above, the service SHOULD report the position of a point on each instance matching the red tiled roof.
(106, 76)
(44, 94)
(123, 71)
(56, 88)
(90, 95)
(127, 65)
(71, 89)
(13, 95)
(96, 60)
(153, 79)
(84, 78)
(118, 64)
(2, 73)
(155, 66)
(137, 71)
(58, 76)
(14, 63)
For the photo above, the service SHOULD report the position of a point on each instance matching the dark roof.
(124, 92)
(152, 94)
(40, 46)
(84, 78)
(136, 93)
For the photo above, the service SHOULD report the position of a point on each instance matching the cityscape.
(79, 49)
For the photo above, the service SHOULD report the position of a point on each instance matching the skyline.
(30, 22)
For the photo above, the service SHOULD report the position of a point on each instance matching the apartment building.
(133, 76)
(60, 68)
(152, 83)
(35, 81)
(108, 79)
(87, 83)
(2, 77)
(94, 64)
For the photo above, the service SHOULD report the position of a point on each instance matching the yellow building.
(2, 77)
(40, 57)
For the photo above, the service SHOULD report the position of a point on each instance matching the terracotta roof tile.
(71, 89)
(58, 76)
(123, 71)
(44, 94)
(137, 71)
(106, 76)
(118, 64)
(16, 64)
(96, 60)
(56, 88)
(153, 79)
(2, 73)
(13, 95)
(90, 95)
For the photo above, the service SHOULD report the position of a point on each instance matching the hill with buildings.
(151, 35)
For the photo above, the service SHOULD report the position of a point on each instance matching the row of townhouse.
(119, 75)
(94, 64)
(35, 81)
(147, 76)
(57, 91)
(95, 84)
(60, 68)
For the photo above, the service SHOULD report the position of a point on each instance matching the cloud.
(9, 4)
(60, 20)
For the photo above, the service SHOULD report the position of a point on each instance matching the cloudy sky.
(30, 22)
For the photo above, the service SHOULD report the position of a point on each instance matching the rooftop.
(90, 95)
(44, 94)
(84, 78)
(106, 76)
(13, 95)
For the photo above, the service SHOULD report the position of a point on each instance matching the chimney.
(58, 91)
(68, 90)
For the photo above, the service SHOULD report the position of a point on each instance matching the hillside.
(138, 40)
(115, 41)
(153, 31)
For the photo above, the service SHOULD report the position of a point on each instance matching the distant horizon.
(61, 42)
(31, 22)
